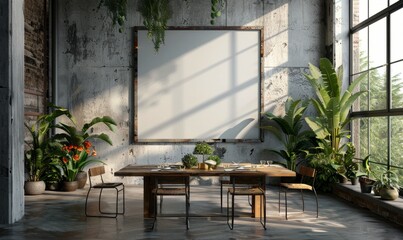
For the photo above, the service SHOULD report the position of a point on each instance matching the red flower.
(65, 160)
(87, 151)
(80, 148)
(76, 157)
(87, 144)
(70, 147)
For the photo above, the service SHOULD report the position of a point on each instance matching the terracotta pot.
(34, 188)
(81, 179)
(70, 186)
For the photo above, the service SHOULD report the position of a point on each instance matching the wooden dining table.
(150, 172)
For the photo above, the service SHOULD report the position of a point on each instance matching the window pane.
(377, 43)
(399, 173)
(378, 134)
(396, 36)
(377, 89)
(361, 104)
(360, 11)
(396, 73)
(360, 136)
(397, 141)
(360, 51)
(377, 6)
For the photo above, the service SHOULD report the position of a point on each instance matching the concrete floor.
(60, 215)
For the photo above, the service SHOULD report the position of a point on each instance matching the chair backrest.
(183, 179)
(255, 180)
(307, 172)
(95, 171)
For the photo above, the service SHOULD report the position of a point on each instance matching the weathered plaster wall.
(11, 111)
(95, 67)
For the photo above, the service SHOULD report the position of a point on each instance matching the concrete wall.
(95, 67)
(11, 111)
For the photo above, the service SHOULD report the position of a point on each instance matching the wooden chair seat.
(246, 191)
(298, 186)
(97, 172)
(304, 172)
(170, 191)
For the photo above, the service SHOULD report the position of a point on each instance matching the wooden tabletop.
(228, 170)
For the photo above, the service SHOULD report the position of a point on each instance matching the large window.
(377, 58)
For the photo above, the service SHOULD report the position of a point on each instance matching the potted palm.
(39, 154)
(289, 132)
(76, 149)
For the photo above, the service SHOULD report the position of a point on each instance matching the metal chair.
(172, 186)
(97, 172)
(304, 172)
(251, 185)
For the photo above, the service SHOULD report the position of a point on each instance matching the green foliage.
(216, 7)
(156, 14)
(326, 175)
(39, 155)
(289, 132)
(203, 148)
(189, 160)
(332, 105)
(389, 179)
(215, 158)
(117, 9)
(74, 147)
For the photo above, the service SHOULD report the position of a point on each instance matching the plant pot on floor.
(70, 186)
(81, 179)
(34, 188)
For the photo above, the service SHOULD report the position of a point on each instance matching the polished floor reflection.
(60, 215)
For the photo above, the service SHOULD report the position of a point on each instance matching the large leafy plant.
(333, 105)
(290, 133)
(39, 154)
(75, 147)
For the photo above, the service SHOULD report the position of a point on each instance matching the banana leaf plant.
(39, 153)
(332, 104)
(289, 131)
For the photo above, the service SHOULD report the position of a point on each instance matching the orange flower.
(64, 148)
(87, 151)
(94, 153)
(70, 147)
(80, 148)
(76, 157)
(65, 160)
(87, 144)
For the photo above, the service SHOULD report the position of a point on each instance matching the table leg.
(148, 198)
(256, 206)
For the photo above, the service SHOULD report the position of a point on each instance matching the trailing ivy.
(117, 9)
(216, 7)
(156, 14)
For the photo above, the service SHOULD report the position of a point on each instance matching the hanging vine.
(156, 14)
(117, 9)
(216, 9)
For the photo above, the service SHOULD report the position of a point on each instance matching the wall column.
(11, 111)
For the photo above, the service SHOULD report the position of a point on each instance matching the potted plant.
(366, 183)
(333, 105)
(39, 154)
(213, 161)
(289, 132)
(189, 160)
(389, 185)
(76, 149)
(203, 148)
